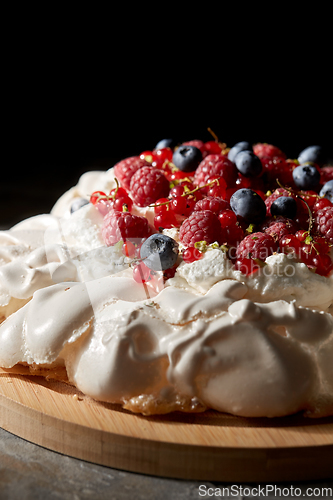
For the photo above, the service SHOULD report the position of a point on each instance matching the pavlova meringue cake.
(187, 278)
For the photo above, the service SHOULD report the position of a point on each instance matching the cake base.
(207, 446)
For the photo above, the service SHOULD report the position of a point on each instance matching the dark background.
(68, 115)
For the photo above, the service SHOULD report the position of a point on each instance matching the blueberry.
(187, 158)
(166, 143)
(239, 146)
(159, 252)
(77, 204)
(248, 205)
(248, 163)
(327, 190)
(306, 176)
(312, 154)
(284, 205)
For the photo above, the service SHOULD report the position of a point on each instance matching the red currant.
(232, 236)
(321, 203)
(191, 254)
(311, 197)
(142, 273)
(165, 220)
(302, 234)
(119, 198)
(213, 148)
(321, 245)
(218, 189)
(246, 266)
(161, 157)
(323, 264)
(128, 249)
(180, 188)
(182, 205)
(96, 196)
(147, 156)
(161, 205)
(227, 218)
(179, 174)
(290, 243)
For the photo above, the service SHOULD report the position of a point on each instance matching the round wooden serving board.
(205, 446)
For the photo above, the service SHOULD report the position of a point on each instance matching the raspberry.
(256, 246)
(200, 226)
(264, 150)
(148, 184)
(212, 203)
(125, 169)
(122, 225)
(272, 220)
(215, 165)
(324, 223)
(280, 229)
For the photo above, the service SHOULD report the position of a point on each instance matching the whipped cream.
(259, 345)
(282, 277)
(232, 354)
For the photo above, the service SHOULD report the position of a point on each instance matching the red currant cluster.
(198, 202)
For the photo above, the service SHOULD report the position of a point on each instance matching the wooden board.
(204, 446)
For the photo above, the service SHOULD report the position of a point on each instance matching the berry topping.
(279, 229)
(187, 158)
(264, 150)
(160, 252)
(289, 243)
(327, 190)
(326, 174)
(191, 254)
(239, 146)
(142, 273)
(247, 266)
(256, 246)
(251, 199)
(214, 204)
(215, 165)
(77, 204)
(200, 226)
(148, 184)
(285, 206)
(197, 143)
(322, 264)
(306, 176)
(248, 163)
(313, 154)
(119, 198)
(125, 169)
(165, 218)
(166, 143)
(122, 226)
(274, 196)
(324, 223)
(248, 205)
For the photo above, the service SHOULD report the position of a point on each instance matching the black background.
(66, 114)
